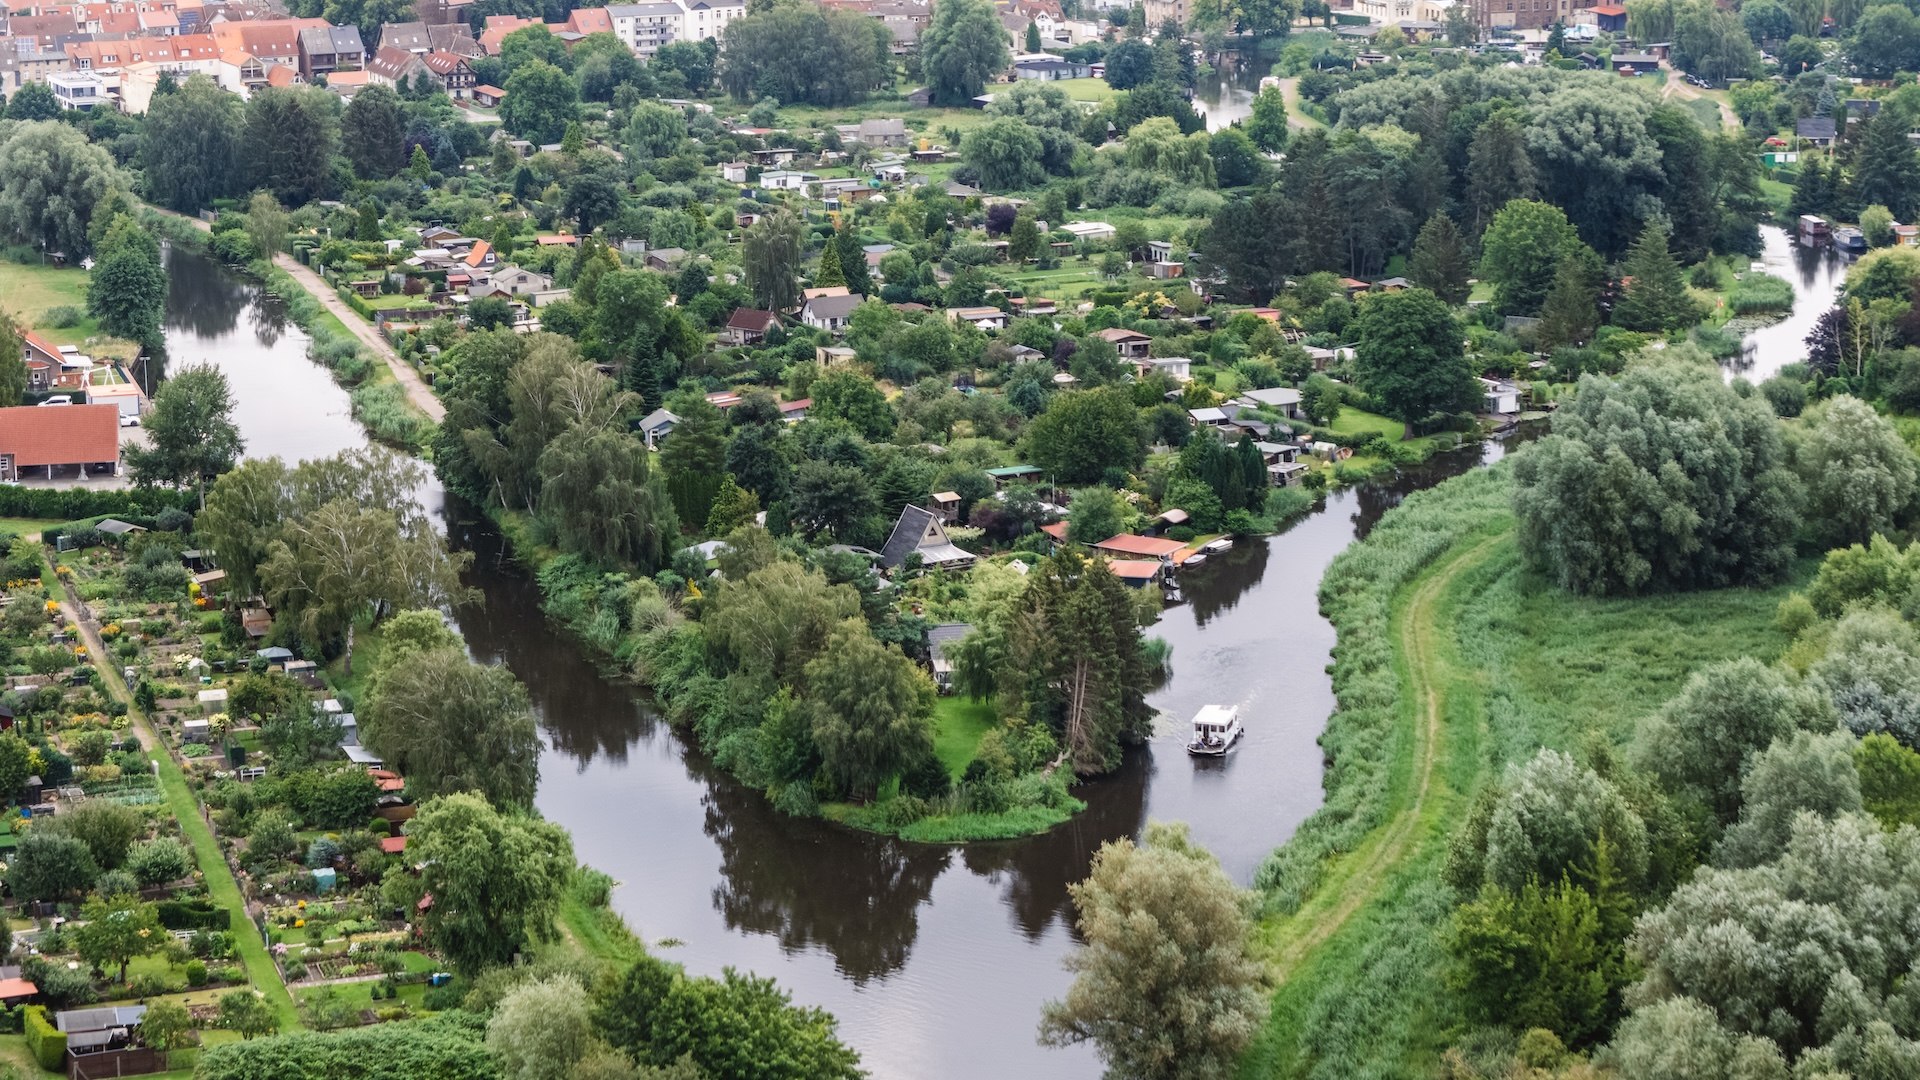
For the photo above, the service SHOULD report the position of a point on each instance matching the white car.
(59, 399)
(129, 420)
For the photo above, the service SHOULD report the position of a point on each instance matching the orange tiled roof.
(60, 435)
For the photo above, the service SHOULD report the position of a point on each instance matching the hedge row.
(48, 1044)
(72, 504)
(193, 915)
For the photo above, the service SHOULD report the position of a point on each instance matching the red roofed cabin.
(45, 370)
(1141, 547)
(1611, 18)
(86, 437)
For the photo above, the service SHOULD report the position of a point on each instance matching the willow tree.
(770, 257)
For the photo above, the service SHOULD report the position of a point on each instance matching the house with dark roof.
(335, 48)
(420, 38)
(749, 326)
(918, 532)
(655, 426)
(1130, 344)
(939, 638)
(1818, 130)
(84, 437)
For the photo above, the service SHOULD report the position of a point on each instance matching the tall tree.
(288, 143)
(1859, 473)
(452, 725)
(1660, 479)
(190, 145)
(1570, 315)
(770, 257)
(1885, 167)
(602, 501)
(1655, 297)
(496, 880)
(267, 223)
(1166, 936)
(51, 181)
(1075, 660)
(541, 101)
(128, 288)
(373, 132)
(1439, 262)
(1410, 357)
(1498, 168)
(117, 930)
(872, 709)
(1521, 249)
(961, 49)
(1267, 124)
(1082, 435)
(191, 436)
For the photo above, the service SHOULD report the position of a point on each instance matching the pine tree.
(1033, 37)
(1884, 167)
(829, 272)
(1655, 298)
(1253, 473)
(1569, 316)
(1809, 188)
(1075, 662)
(853, 263)
(574, 140)
(1439, 262)
(733, 506)
(368, 225)
(420, 166)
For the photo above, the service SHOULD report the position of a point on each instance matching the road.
(1678, 87)
(419, 394)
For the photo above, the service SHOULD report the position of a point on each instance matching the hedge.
(353, 301)
(193, 915)
(72, 504)
(49, 1045)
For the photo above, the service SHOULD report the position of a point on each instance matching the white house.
(1089, 230)
(1499, 397)
(1177, 368)
(830, 313)
(786, 180)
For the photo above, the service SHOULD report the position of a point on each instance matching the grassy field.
(1453, 662)
(1352, 421)
(28, 292)
(959, 724)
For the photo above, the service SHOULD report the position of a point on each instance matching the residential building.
(749, 326)
(1050, 69)
(646, 27)
(1130, 344)
(324, 51)
(498, 27)
(918, 532)
(830, 313)
(655, 426)
(415, 37)
(395, 67)
(1521, 14)
(890, 132)
(986, 318)
(83, 90)
(510, 281)
(452, 72)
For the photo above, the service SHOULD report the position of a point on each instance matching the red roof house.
(59, 435)
(748, 326)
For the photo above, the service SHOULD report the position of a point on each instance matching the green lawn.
(1499, 663)
(1352, 421)
(28, 292)
(1087, 89)
(959, 725)
(25, 526)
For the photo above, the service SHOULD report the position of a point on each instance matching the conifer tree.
(829, 272)
(1439, 262)
(1570, 315)
(1655, 298)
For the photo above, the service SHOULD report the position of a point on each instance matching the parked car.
(59, 399)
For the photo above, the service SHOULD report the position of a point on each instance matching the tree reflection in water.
(201, 299)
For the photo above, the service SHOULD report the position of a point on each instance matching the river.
(935, 959)
(1816, 275)
(1227, 94)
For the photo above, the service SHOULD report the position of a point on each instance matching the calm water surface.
(1816, 274)
(1227, 95)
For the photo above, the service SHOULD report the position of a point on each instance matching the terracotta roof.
(1608, 9)
(60, 434)
(1129, 544)
(478, 255)
(393, 845)
(443, 63)
(493, 92)
(1057, 530)
(281, 75)
(590, 21)
(13, 988)
(1118, 334)
(346, 78)
(49, 352)
(1135, 569)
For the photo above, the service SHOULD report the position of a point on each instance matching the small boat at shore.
(1215, 729)
(1215, 547)
(1194, 559)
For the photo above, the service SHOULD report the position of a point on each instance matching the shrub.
(49, 1046)
(1760, 293)
(197, 973)
(64, 317)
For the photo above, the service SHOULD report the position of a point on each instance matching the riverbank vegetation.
(1520, 771)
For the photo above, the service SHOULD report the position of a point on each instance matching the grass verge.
(1452, 662)
(959, 723)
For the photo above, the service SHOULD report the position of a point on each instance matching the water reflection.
(1227, 95)
(203, 300)
(1817, 274)
(1219, 583)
